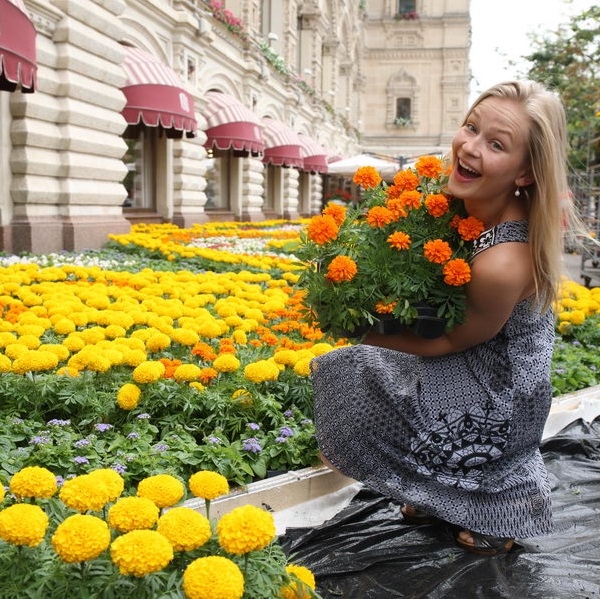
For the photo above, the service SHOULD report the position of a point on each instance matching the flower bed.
(176, 351)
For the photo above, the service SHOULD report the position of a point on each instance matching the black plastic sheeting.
(367, 552)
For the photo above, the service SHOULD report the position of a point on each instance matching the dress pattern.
(456, 436)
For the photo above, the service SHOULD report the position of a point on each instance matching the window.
(402, 117)
(140, 181)
(405, 6)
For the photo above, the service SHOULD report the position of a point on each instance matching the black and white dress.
(456, 436)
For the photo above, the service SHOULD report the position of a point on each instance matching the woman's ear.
(524, 180)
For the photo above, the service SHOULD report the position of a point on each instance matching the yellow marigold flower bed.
(23, 524)
(213, 577)
(163, 489)
(80, 538)
(244, 529)
(141, 552)
(33, 481)
(185, 528)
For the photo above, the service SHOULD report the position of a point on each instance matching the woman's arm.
(501, 277)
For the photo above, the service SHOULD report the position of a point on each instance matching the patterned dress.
(456, 436)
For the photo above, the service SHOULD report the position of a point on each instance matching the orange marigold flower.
(337, 212)
(380, 216)
(322, 229)
(397, 207)
(455, 220)
(429, 166)
(437, 204)
(204, 351)
(470, 228)
(412, 199)
(341, 269)
(457, 272)
(206, 375)
(367, 177)
(406, 180)
(399, 240)
(437, 251)
(385, 307)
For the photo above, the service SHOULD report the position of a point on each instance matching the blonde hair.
(547, 146)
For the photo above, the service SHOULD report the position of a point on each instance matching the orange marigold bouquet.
(401, 252)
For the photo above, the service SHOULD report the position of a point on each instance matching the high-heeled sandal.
(486, 544)
(411, 515)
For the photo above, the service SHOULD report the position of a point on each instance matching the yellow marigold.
(367, 177)
(261, 371)
(288, 357)
(198, 386)
(322, 229)
(111, 479)
(23, 524)
(35, 361)
(148, 372)
(399, 240)
(158, 342)
(133, 513)
(185, 336)
(470, 228)
(80, 538)
(208, 485)
(337, 212)
(244, 529)
(33, 481)
(380, 216)
(437, 204)
(84, 493)
(302, 367)
(406, 180)
(163, 489)
(456, 272)
(141, 552)
(226, 363)
(577, 317)
(185, 528)
(564, 327)
(213, 577)
(437, 251)
(5, 363)
(301, 583)
(429, 166)
(128, 396)
(341, 268)
(186, 373)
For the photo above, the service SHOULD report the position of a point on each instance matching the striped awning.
(282, 144)
(314, 154)
(155, 95)
(231, 125)
(17, 47)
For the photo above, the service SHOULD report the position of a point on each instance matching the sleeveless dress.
(456, 436)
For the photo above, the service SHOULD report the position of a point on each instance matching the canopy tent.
(347, 167)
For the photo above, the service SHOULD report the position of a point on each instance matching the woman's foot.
(481, 544)
(412, 515)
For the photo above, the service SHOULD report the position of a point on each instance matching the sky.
(499, 34)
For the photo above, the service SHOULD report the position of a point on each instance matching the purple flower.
(133, 436)
(82, 443)
(288, 413)
(306, 422)
(252, 445)
(57, 422)
(40, 440)
(286, 431)
(212, 440)
(161, 447)
(103, 427)
(59, 480)
(143, 416)
(281, 439)
(253, 426)
(119, 468)
(80, 460)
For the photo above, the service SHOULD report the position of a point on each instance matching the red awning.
(17, 47)
(283, 146)
(314, 154)
(231, 125)
(155, 95)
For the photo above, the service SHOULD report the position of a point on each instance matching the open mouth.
(466, 172)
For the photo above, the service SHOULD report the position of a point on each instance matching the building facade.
(185, 111)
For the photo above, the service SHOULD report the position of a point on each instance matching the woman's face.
(490, 152)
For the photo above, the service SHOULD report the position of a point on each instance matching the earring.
(517, 192)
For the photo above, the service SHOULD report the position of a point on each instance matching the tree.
(568, 61)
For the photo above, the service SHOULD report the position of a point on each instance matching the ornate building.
(190, 110)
